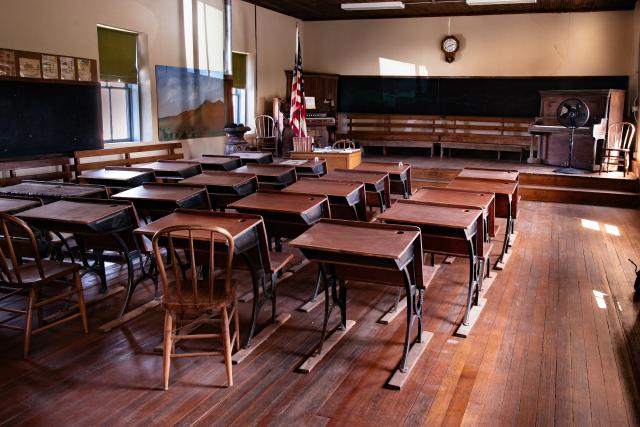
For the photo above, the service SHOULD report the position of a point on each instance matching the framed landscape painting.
(190, 103)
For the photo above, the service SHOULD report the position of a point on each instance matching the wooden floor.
(551, 347)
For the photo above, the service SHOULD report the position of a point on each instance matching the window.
(239, 105)
(239, 70)
(120, 112)
(120, 95)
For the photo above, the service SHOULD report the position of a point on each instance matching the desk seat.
(279, 260)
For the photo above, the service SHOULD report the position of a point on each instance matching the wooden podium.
(339, 159)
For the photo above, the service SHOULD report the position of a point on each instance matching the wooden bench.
(386, 130)
(450, 132)
(43, 169)
(129, 155)
(486, 133)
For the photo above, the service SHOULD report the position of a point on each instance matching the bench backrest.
(441, 125)
(43, 169)
(126, 156)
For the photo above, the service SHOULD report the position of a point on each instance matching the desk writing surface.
(454, 197)
(169, 166)
(370, 178)
(497, 187)
(52, 189)
(344, 238)
(11, 206)
(255, 156)
(69, 211)
(219, 179)
(113, 174)
(278, 202)
(390, 168)
(210, 159)
(493, 175)
(441, 216)
(235, 225)
(304, 163)
(165, 192)
(325, 187)
(264, 170)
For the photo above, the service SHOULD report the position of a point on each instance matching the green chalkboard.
(458, 96)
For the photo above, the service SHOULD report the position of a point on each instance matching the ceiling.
(320, 10)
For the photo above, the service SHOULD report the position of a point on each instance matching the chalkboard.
(458, 96)
(48, 118)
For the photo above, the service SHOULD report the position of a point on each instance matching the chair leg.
(81, 306)
(227, 345)
(236, 320)
(166, 350)
(29, 321)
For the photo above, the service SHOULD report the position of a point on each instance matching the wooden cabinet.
(324, 87)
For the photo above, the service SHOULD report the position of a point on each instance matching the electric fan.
(572, 113)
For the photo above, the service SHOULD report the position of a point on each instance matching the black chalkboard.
(48, 118)
(458, 96)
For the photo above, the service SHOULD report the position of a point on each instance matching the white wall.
(68, 27)
(567, 44)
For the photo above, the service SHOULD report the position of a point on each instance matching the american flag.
(298, 116)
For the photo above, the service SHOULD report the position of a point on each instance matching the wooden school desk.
(211, 162)
(173, 169)
(96, 220)
(341, 195)
(490, 174)
(52, 191)
(309, 168)
(155, 199)
(372, 253)
(118, 176)
(376, 184)
(399, 176)
(448, 230)
(13, 205)
(223, 187)
(250, 250)
(270, 176)
(286, 215)
(506, 205)
(261, 157)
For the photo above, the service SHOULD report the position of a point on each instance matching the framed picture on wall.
(50, 67)
(30, 67)
(7, 63)
(67, 68)
(84, 70)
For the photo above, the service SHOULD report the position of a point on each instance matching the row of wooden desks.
(51, 191)
(504, 184)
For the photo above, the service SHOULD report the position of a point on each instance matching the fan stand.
(570, 170)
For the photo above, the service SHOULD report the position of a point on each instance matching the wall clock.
(450, 45)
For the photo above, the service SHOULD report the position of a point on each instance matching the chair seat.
(187, 301)
(53, 270)
(279, 260)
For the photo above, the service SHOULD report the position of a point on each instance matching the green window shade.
(239, 70)
(118, 55)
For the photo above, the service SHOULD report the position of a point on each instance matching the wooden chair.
(23, 269)
(265, 134)
(197, 293)
(344, 144)
(617, 153)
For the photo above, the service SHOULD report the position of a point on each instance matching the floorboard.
(556, 344)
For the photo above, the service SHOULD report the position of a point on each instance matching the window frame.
(129, 90)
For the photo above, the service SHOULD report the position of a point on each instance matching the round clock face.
(450, 45)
